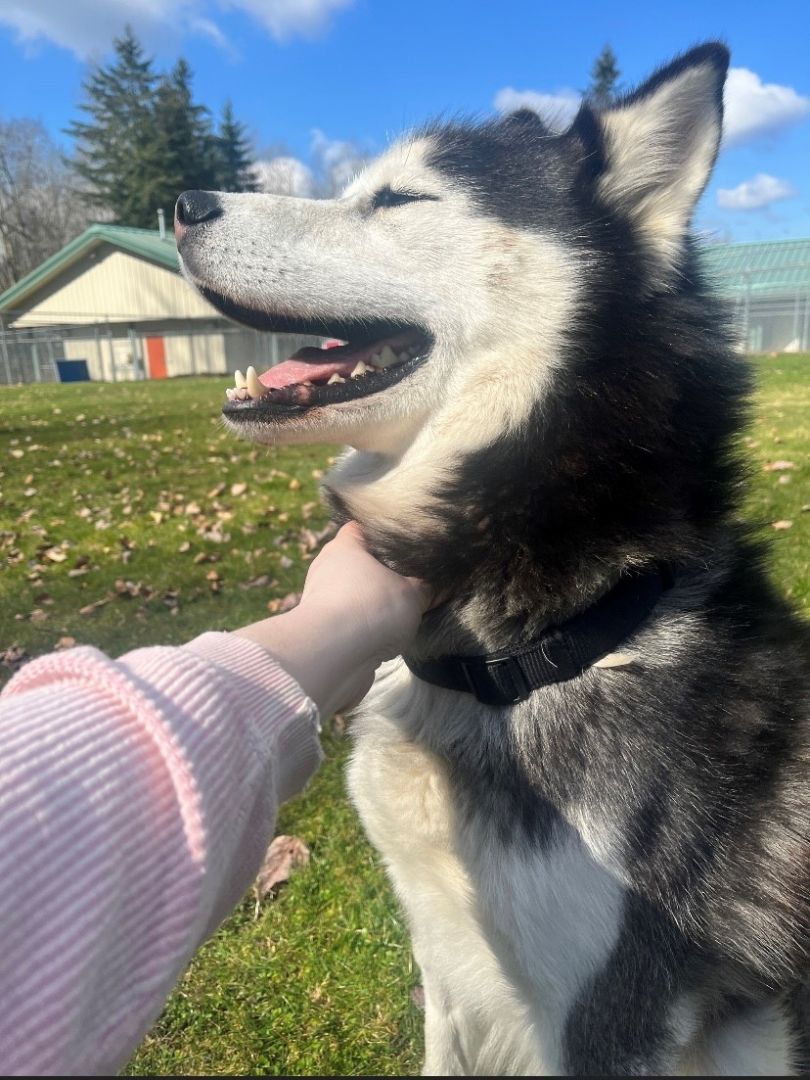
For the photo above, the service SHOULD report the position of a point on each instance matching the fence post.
(112, 353)
(52, 358)
(4, 347)
(99, 354)
(35, 358)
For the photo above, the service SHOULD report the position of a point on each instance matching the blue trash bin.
(73, 371)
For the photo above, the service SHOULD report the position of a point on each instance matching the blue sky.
(309, 76)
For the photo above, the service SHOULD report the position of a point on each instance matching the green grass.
(109, 476)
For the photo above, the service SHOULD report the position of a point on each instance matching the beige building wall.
(109, 284)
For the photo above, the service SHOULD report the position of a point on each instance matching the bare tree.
(40, 208)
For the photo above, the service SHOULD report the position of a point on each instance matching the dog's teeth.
(239, 379)
(360, 369)
(387, 357)
(230, 393)
(404, 355)
(335, 379)
(254, 387)
(375, 361)
(242, 393)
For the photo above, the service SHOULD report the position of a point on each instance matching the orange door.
(156, 356)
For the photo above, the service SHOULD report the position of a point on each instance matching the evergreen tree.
(116, 155)
(186, 145)
(234, 164)
(145, 139)
(604, 78)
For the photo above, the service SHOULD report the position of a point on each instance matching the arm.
(138, 796)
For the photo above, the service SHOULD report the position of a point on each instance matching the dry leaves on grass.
(781, 525)
(285, 854)
(13, 656)
(778, 466)
(278, 607)
(91, 609)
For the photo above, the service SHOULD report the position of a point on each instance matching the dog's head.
(453, 266)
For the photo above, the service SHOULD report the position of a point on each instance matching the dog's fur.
(612, 876)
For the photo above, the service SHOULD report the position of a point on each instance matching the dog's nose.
(195, 207)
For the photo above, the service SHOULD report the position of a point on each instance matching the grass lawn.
(128, 517)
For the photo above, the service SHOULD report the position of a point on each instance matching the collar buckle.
(499, 681)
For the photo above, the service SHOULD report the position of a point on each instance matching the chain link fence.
(119, 354)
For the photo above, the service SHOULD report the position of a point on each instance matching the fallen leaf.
(255, 583)
(191, 509)
(285, 854)
(65, 643)
(205, 556)
(778, 466)
(287, 603)
(238, 489)
(285, 562)
(184, 547)
(781, 524)
(214, 493)
(13, 656)
(17, 453)
(294, 484)
(38, 615)
(90, 609)
(54, 554)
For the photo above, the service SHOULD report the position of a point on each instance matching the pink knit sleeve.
(137, 799)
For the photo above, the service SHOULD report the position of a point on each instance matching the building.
(114, 297)
(768, 284)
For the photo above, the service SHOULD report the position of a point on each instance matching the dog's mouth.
(339, 371)
(359, 358)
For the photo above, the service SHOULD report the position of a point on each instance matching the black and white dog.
(590, 782)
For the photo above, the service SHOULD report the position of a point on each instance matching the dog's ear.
(652, 152)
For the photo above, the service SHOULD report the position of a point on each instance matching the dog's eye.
(386, 197)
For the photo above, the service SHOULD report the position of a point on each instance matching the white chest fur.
(505, 936)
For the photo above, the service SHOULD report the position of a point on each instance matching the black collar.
(558, 654)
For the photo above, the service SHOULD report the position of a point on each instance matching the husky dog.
(607, 873)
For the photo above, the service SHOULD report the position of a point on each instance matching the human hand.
(354, 614)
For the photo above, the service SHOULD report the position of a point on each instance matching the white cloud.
(87, 27)
(288, 18)
(337, 160)
(755, 108)
(285, 176)
(755, 194)
(558, 110)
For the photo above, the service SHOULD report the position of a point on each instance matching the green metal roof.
(145, 243)
(766, 268)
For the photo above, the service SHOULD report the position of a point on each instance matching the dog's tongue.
(307, 365)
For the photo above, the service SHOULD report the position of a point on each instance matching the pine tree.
(116, 156)
(234, 164)
(185, 142)
(145, 139)
(604, 78)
